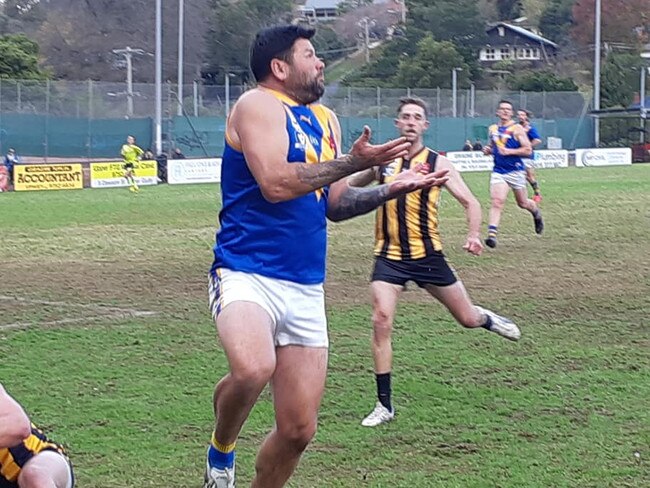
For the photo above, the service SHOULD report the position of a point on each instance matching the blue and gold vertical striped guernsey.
(502, 136)
(13, 459)
(285, 240)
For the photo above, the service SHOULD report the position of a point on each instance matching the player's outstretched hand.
(418, 178)
(474, 246)
(366, 155)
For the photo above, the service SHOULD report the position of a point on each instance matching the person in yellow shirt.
(131, 154)
(28, 459)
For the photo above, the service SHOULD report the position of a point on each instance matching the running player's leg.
(48, 469)
(297, 385)
(498, 194)
(459, 304)
(521, 196)
(128, 176)
(532, 179)
(384, 302)
(245, 330)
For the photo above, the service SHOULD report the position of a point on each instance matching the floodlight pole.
(181, 22)
(454, 91)
(597, 43)
(158, 69)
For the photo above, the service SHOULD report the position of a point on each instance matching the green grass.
(338, 69)
(567, 406)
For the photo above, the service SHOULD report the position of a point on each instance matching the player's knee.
(298, 433)
(254, 374)
(32, 476)
(382, 323)
(498, 202)
(523, 204)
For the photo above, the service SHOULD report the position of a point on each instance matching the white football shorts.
(515, 179)
(297, 311)
(529, 163)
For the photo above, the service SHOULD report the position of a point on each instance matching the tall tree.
(19, 58)
(556, 20)
(620, 79)
(327, 43)
(431, 66)
(457, 21)
(509, 9)
(232, 28)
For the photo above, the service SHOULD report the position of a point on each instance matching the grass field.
(111, 349)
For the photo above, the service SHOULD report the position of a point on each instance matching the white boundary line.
(113, 312)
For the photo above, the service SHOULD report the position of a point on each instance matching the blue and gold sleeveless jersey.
(285, 240)
(12, 459)
(532, 134)
(502, 136)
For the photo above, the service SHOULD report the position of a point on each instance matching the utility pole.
(181, 35)
(158, 120)
(597, 43)
(366, 24)
(366, 38)
(128, 53)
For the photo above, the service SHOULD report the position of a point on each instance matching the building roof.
(525, 33)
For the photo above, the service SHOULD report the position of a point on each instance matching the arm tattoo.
(319, 175)
(358, 201)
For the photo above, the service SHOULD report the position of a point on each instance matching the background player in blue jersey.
(28, 459)
(508, 145)
(524, 117)
(281, 179)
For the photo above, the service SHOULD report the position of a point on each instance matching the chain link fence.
(90, 119)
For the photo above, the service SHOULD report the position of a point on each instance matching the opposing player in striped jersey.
(408, 248)
(28, 459)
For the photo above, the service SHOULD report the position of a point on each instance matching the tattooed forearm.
(318, 175)
(358, 201)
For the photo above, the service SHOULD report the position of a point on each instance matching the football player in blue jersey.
(524, 117)
(509, 143)
(283, 175)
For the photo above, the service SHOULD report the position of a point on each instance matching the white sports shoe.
(219, 478)
(501, 325)
(380, 415)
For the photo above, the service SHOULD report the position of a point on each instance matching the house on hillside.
(315, 10)
(324, 10)
(511, 42)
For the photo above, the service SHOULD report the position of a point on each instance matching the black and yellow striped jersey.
(12, 459)
(407, 227)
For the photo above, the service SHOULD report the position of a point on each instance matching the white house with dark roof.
(328, 9)
(319, 9)
(511, 42)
